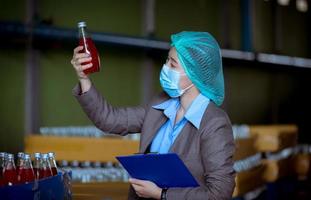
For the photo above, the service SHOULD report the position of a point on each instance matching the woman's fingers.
(77, 62)
(82, 60)
(77, 49)
(135, 181)
(84, 67)
(81, 55)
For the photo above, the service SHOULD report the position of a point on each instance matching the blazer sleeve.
(217, 149)
(106, 117)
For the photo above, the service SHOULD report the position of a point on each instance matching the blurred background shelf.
(272, 138)
(100, 191)
(81, 148)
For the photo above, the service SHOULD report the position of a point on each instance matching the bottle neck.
(10, 164)
(20, 162)
(37, 163)
(45, 163)
(52, 162)
(83, 33)
(2, 162)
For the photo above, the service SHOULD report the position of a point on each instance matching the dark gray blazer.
(207, 151)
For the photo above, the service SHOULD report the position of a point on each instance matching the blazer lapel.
(182, 138)
(158, 120)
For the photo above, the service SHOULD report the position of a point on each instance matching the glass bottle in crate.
(88, 47)
(52, 161)
(9, 171)
(2, 164)
(19, 164)
(26, 172)
(20, 159)
(45, 167)
(37, 165)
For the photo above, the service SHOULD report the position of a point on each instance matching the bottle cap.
(64, 163)
(10, 156)
(20, 154)
(2, 154)
(37, 155)
(75, 163)
(44, 156)
(81, 24)
(51, 155)
(26, 156)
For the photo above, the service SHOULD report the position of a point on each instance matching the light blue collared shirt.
(169, 132)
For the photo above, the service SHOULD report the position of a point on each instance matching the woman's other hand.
(146, 189)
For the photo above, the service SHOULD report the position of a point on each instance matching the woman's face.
(173, 62)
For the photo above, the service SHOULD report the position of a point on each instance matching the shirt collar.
(196, 110)
(194, 113)
(169, 106)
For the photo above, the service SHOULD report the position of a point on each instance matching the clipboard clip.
(138, 153)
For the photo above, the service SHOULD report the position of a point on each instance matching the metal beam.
(147, 68)
(32, 74)
(247, 15)
(9, 30)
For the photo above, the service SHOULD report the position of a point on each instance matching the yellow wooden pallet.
(245, 147)
(272, 138)
(276, 169)
(81, 148)
(99, 191)
(249, 180)
(302, 165)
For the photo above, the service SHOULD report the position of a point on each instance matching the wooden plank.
(244, 148)
(273, 129)
(99, 191)
(272, 138)
(302, 165)
(249, 180)
(81, 148)
(276, 169)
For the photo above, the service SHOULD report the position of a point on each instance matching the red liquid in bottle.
(54, 171)
(10, 177)
(27, 175)
(90, 48)
(44, 173)
(1, 177)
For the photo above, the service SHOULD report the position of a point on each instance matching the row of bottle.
(94, 171)
(44, 165)
(82, 131)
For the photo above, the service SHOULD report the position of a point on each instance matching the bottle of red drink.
(88, 47)
(52, 161)
(26, 172)
(19, 164)
(37, 165)
(2, 164)
(9, 171)
(20, 159)
(45, 168)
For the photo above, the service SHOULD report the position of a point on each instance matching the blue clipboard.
(165, 170)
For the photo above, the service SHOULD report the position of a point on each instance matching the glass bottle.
(45, 168)
(88, 47)
(26, 172)
(2, 164)
(9, 171)
(37, 164)
(52, 161)
(20, 159)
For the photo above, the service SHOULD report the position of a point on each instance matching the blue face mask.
(169, 80)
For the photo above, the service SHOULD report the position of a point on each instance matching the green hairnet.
(200, 57)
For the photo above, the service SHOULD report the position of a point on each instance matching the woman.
(185, 119)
